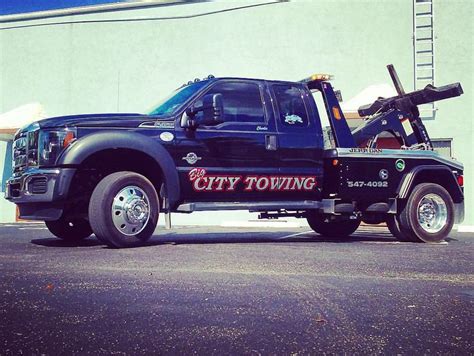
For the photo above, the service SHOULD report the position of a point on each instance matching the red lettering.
(220, 183)
(250, 182)
(196, 173)
(197, 186)
(310, 183)
(210, 183)
(288, 184)
(233, 182)
(216, 183)
(298, 183)
(262, 183)
(275, 183)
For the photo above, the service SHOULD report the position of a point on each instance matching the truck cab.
(264, 131)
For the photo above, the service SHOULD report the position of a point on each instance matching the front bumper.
(40, 193)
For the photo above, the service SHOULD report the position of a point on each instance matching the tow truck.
(239, 144)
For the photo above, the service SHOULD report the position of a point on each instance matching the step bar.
(251, 206)
(325, 206)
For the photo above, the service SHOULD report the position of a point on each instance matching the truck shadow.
(174, 238)
(56, 242)
(250, 238)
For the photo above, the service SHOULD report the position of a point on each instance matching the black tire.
(112, 203)
(72, 230)
(337, 229)
(400, 234)
(428, 214)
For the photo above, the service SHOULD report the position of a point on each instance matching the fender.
(86, 146)
(435, 171)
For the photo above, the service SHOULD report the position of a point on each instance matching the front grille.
(25, 151)
(38, 185)
(20, 154)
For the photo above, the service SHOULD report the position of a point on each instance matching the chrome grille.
(20, 153)
(25, 151)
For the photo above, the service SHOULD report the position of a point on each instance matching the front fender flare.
(103, 140)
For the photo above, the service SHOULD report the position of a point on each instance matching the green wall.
(127, 66)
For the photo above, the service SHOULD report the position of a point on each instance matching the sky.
(8, 7)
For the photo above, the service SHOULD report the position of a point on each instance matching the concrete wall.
(455, 62)
(7, 209)
(127, 66)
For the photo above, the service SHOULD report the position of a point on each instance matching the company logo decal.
(191, 158)
(400, 165)
(383, 174)
(166, 136)
(203, 182)
(293, 119)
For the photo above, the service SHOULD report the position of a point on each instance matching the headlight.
(32, 143)
(52, 143)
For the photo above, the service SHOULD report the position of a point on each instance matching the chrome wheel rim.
(131, 210)
(432, 213)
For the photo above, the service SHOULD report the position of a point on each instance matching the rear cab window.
(291, 107)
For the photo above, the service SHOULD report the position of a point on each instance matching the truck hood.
(125, 120)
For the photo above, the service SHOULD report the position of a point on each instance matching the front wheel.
(428, 214)
(320, 224)
(69, 229)
(124, 209)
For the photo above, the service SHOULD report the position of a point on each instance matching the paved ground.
(230, 291)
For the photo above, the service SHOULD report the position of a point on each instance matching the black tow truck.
(239, 144)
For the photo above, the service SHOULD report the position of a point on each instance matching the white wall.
(7, 209)
(127, 66)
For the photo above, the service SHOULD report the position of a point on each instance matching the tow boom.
(399, 115)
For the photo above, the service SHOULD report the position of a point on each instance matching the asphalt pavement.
(219, 291)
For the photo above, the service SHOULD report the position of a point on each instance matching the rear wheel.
(69, 229)
(323, 226)
(401, 235)
(428, 214)
(124, 209)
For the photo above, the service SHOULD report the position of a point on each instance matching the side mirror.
(212, 108)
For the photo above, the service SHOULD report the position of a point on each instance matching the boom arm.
(400, 115)
(409, 101)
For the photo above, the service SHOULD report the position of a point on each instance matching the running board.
(250, 206)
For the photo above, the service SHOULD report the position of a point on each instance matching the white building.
(125, 60)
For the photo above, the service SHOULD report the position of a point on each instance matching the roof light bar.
(317, 77)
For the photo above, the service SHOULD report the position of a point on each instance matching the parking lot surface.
(235, 291)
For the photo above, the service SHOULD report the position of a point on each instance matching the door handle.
(270, 142)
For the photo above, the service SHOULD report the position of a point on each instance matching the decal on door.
(293, 119)
(400, 165)
(166, 136)
(203, 182)
(191, 158)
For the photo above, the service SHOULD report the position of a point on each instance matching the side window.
(242, 101)
(291, 105)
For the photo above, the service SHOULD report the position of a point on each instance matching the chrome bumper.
(54, 185)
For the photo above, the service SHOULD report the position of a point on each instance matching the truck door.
(300, 139)
(214, 162)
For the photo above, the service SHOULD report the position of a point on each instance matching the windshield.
(173, 102)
